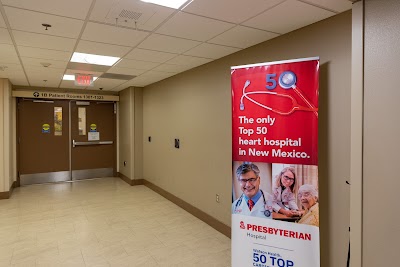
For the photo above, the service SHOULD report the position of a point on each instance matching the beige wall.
(126, 123)
(381, 183)
(138, 133)
(131, 133)
(7, 137)
(357, 62)
(3, 115)
(196, 108)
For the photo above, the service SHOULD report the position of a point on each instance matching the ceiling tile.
(73, 72)
(14, 73)
(8, 54)
(136, 64)
(87, 67)
(149, 78)
(43, 41)
(5, 37)
(9, 68)
(38, 82)
(45, 77)
(44, 73)
(147, 16)
(288, 16)
(121, 87)
(106, 84)
(31, 21)
(71, 85)
(242, 37)
(167, 44)
(149, 55)
(239, 10)
(188, 61)
(25, 51)
(2, 22)
(125, 71)
(102, 49)
(336, 5)
(211, 51)
(71, 8)
(193, 27)
(172, 68)
(36, 62)
(18, 79)
(112, 35)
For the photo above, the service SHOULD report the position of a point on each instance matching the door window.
(58, 121)
(82, 120)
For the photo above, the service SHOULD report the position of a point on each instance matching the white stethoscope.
(287, 80)
(267, 212)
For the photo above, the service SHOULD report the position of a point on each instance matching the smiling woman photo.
(284, 200)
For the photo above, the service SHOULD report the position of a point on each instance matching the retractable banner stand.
(275, 210)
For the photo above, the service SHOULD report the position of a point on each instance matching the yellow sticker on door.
(93, 127)
(45, 128)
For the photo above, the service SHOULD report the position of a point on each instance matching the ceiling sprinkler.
(46, 25)
(45, 64)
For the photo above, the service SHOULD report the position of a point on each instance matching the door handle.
(92, 143)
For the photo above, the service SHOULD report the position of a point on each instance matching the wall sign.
(275, 210)
(68, 96)
(93, 136)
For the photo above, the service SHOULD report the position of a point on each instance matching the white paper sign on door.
(93, 136)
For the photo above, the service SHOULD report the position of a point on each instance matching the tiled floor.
(103, 222)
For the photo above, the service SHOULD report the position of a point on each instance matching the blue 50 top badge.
(45, 128)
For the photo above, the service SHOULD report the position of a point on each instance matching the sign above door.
(68, 96)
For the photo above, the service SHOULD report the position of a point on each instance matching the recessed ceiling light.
(168, 3)
(71, 77)
(94, 59)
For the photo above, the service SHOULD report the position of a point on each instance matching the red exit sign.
(83, 80)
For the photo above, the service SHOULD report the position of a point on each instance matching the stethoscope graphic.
(267, 212)
(287, 80)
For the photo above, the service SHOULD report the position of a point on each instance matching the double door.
(64, 140)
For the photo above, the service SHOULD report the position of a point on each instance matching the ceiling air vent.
(128, 16)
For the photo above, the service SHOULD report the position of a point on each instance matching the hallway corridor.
(103, 222)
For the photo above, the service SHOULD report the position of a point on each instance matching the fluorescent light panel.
(94, 59)
(71, 77)
(168, 3)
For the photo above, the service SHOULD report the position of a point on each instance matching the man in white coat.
(253, 201)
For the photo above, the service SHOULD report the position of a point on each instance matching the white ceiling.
(154, 42)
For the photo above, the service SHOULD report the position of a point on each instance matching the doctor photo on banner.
(250, 189)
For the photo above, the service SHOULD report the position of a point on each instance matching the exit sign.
(83, 80)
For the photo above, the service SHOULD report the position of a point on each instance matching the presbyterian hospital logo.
(242, 225)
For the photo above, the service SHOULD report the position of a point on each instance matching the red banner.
(275, 199)
(275, 113)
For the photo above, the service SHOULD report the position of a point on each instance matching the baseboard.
(138, 182)
(124, 178)
(214, 223)
(14, 185)
(7, 194)
(129, 181)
